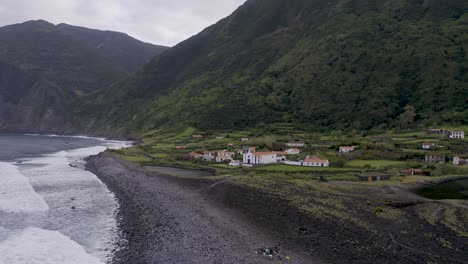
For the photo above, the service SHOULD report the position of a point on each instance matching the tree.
(407, 118)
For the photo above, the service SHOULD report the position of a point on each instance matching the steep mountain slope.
(31, 104)
(45, 69)
(39, 48)
(122, 49)
(346, 64)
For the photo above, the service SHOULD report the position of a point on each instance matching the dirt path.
(165, 222)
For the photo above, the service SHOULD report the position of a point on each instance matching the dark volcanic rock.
(164, 221)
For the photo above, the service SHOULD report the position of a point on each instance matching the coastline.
(39, 205)
(174, 220)
(161, 215)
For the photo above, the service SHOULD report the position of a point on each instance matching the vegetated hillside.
(31, 104)
(45, 69)
(122, 49)
(37, 47)
(343, 64)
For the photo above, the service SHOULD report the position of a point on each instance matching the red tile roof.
(258, 154)
(280, 152)
(347, 147)
(315, 159)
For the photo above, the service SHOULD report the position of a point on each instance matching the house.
(225, 153)
(438, 131)
(371, 177)
(195, 155)
(208, 158)
(293, 151)
(460, 161)
(230, 144)
(178, 147)
(197, 137)
(435, 158)
(220, 137)
(295, 144)
(235, 163)
(244, 139)
(294, 163)
(223, 158)
(415, 172)
(256, 158)
(457, 134)
(347, 149)
(316, 162)
(280, 155)
(208, 155)
(428, 145)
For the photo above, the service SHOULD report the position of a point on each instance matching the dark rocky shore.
(167, 219)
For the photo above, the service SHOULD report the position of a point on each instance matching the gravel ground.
(164, 221)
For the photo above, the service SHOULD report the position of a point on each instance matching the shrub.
(378, 210)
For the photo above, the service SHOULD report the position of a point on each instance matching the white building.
(244, 139)
(293, 151)
(295, 144)
(460, 161)
(208, 158)
(208, 155)
(195, 155)
(280, 155)
(234, 163)
(294, 163)
(256, 158)
(347, 149)
(316, 162)
(225, 153)
(223, 158)
(457, 134)
(428, 145)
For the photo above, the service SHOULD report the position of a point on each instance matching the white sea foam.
(38, 246)
(16, 193)
(81, 210)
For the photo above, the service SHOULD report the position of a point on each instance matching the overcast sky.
(165, 22)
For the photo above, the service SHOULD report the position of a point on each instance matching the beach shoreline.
(169, 219)
(48, 200)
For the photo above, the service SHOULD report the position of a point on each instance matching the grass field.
(390, 151)
(135, 159)
(289, 168)
(374, 163)
(414, 140)
(159, 155)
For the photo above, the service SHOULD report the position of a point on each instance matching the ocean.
(51, 209)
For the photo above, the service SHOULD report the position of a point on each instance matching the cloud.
(165, 22)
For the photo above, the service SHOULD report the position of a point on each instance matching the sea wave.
(16, 192)
(54, 211)
(39, 246)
